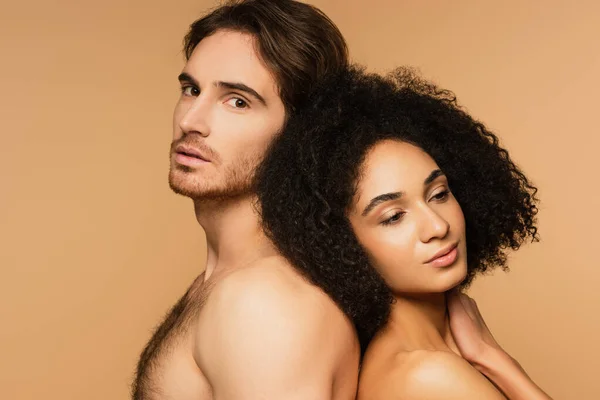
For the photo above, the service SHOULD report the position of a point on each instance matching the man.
(249, 327)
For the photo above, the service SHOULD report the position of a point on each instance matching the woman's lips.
(446, 259)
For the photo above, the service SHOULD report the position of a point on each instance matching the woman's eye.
(443, 195)
(190, 91)
(394, 218)
(237, 102)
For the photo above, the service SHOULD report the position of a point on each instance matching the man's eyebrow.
(433, 176)
(184, 77)
(382, 198)
(242, 88)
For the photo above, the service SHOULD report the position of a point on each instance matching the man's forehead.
(228, 56)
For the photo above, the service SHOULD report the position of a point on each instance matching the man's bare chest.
(167, 368)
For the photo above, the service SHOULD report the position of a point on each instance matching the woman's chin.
(450, 279)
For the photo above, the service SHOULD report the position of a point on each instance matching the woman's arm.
(477, 345)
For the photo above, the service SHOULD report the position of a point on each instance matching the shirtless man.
(249, 327)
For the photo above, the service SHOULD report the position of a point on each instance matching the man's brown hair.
(296, 41)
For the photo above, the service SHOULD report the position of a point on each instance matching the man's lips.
(190, 152)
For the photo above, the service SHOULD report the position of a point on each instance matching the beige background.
(94, 248)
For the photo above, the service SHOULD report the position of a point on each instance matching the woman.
(391, 198)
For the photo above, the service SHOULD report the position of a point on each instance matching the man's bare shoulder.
(272, 292)
(271, 329)
(425, 374)
(274, 280)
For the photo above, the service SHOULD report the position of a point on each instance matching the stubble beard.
(233, 181)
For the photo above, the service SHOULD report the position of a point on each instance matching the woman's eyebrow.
(382, 198)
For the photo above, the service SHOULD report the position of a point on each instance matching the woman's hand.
(471, 334)
(477, 345)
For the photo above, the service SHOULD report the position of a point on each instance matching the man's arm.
(270, 337)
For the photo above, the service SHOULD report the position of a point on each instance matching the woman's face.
(408, 221)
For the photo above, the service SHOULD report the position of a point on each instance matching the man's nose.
(196, 118)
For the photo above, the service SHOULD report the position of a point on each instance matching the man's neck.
(234, 237)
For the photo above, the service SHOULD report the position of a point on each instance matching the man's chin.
(193, 191)
(183, 185)
(182, 190)
(190, 186)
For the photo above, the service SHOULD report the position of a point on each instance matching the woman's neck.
(420, 322)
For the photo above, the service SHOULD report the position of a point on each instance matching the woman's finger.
(479, 316)
(466, 301)
(456, 308)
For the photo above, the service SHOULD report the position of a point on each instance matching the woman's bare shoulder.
(425, 374)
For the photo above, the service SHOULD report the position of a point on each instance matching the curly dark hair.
(310, 175)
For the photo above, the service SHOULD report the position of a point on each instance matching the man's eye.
(237, 102)
(190, 91)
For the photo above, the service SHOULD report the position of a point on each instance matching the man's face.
(228, 113)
